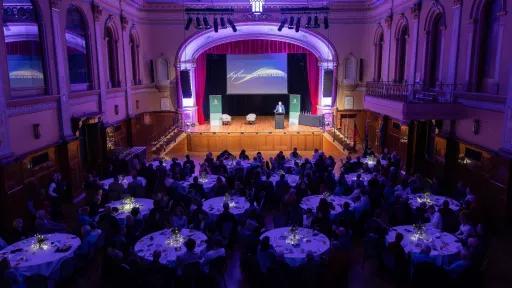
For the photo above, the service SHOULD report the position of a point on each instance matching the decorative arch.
(477, 5)
(111, 36)
(110, 23)
(378, 43)
(134, 41)
(192, 48)
(78, 50)
(436, 10)
(401, 36)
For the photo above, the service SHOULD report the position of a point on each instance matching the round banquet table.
(245, 164)
(337, 201)
(292, 179)
(126, 180)
(166, 163)
(145, 206)
(371, 164)
(208, 183)
(28, 260)
(157, 241)
(214, 205)
(444, 246)
(437, 201)
(311, 242)
(353, 176)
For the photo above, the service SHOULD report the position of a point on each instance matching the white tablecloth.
(373, 162)
(167, 164)
(214, 205)
(157, 241)
(353, 176)
(437, 201)
(444, 245)
(311, 242)
(126, 180)
(232, 164)
(31, 261)
(145, 206)
(207, 184)
(292, 179)
(337, 201)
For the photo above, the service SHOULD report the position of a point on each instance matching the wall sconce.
(476, 126)
(36, 130)
(116, 109)
(137, 104)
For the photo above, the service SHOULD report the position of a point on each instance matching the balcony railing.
(412, 93)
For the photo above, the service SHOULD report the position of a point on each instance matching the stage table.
(237, 206)
(416, 199)
(145, 206)
(311, 120)
(337, 201)
(145, 247)
(27, 259)
(445, 246)
(125, 181)
(309, 241)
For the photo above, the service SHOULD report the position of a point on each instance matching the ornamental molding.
(28, 109)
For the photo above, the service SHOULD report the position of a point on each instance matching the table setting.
(125, 180)
(292, 179)
(295, 243)
(41, 254)
(208, 181)
(352, 177)
(311, 202)
(445, 246)
(416, 200)
(237, 204)
(170, 242)
(126, 205)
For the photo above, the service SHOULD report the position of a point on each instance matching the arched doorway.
(201, 42)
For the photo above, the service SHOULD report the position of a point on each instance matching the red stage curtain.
(255, 46)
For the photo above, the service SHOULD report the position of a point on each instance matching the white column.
(125, 40)
(62, 71)
(100, 51)
(411, 77)
(455, 39)
(5, 91)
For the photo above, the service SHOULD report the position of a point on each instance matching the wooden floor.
(263, 124)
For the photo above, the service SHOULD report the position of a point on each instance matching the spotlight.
(232, 25)
(215, 25)
(297, 24)
(308, 24)
(189, 23)
(326, 22)
(317, 22)
(198, 23)
(283, 23)
(206, 23)
(291, 24)
(223, 23)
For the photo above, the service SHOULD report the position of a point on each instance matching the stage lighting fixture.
(189, 23)
(283, 23)
(232, 25)
(297, 24)
(215, 25)
(223, 23)
(317, 22)
(308, 24)
(198, 23)
(326, 22)
(291, 23)
(206, 23)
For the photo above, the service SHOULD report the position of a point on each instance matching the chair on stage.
(251, 118)
(226, 119)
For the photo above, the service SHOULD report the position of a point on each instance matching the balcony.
(407, 102)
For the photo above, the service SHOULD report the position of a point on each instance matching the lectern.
(279, 120)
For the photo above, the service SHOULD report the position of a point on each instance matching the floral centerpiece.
(371, 160)
(419, 233)
(128, 204)
(326, 195)
(40, 242)
(425, 198)
(176, 239)
(227, 199)
(294, 237)
(203, 178)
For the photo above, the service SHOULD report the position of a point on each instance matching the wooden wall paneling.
(318, 141)
(233, 142)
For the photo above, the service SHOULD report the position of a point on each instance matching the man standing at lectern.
(279, 108)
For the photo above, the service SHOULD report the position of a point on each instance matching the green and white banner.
(215, 110)
(294, 109)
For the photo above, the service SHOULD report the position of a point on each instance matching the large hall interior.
(255, 143)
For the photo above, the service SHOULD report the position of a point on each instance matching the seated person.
(44, 225)
(189, 167)
(190, 255)
(115, 189)
(196, 188)
(457, 268)
(243, 156)
(266, 255)
(294, 155)
(225, 155)
(18, 231)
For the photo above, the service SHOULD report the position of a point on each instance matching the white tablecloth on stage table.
(352, 177)
(292, 179)
(32, 261)
(437, 201)
(145, 247)
(214, 205)
(337, 201)
(444, 245)
(126, 180)
(311, 242)
(145, 206)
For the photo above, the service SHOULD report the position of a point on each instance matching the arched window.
(487, 44)
(433, 52)
(24, 46)
(401, 52)
(77, 45)
(134, 53)
(379, 47)
(112, 56)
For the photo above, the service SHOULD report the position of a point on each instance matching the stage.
(264, 124)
